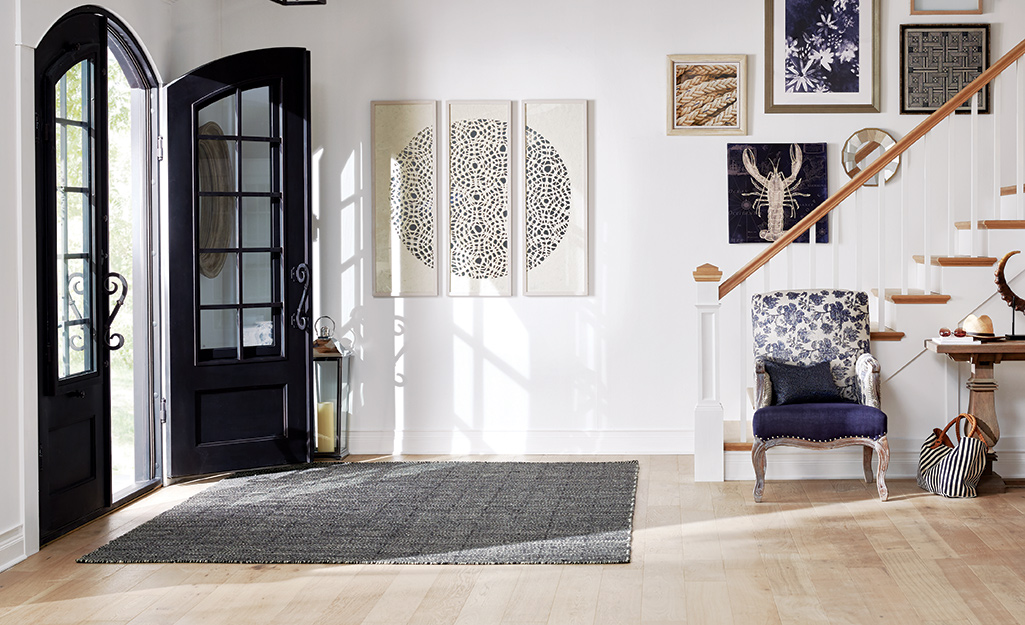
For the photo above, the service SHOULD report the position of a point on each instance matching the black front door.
(238, 263)
(74, 354)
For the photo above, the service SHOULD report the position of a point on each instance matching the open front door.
(238, 258)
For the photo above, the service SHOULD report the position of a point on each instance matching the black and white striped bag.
(953, 470)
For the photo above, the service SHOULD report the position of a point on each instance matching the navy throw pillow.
(797, 384)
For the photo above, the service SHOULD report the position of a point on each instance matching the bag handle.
(971, 431)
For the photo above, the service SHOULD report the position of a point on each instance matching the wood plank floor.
(814, 552)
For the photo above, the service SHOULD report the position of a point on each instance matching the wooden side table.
(982, 387)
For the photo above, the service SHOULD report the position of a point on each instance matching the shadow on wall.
(457, 374)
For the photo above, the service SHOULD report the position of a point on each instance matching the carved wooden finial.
(707, 273)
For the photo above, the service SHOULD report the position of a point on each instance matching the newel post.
(708, 413)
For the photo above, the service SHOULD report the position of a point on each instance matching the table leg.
(982, 390)
(982, 387)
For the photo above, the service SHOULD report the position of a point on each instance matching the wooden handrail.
(866, 174)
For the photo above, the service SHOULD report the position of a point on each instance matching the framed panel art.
(772, 186)
(946, 7)
(707, 95)
(822, 56)
(404, 174)
(937, 61)
(479, 200)
(555, 197)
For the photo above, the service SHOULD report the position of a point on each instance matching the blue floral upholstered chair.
(816, 384)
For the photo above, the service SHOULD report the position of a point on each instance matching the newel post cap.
(707, 273)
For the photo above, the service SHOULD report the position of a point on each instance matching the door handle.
(301, 317)
(115, 282)
(79, 394)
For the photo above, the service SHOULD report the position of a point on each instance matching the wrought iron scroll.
(115, 282)
(301, 317)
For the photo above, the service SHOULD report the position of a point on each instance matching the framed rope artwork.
(479, 199)
(405, 214)
(555, 197)
(707, 95)
(822, 56)
(937, 61)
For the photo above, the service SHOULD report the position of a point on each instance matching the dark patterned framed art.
(937, 61)
(822, 56)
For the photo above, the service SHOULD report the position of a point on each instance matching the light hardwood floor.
(813, 552)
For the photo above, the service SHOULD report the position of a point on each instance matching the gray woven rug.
(398, 512)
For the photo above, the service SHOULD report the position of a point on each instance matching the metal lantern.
(331, 392)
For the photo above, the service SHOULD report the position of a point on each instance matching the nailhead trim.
(813, 440)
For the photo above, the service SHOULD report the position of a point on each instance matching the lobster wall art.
(772, 186)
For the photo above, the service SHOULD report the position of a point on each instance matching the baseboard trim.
(567, 442)
(12, 547)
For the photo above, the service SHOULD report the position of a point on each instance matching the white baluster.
(1019, 170)
(835, 245)
(812, 236)
(902, 255)
(881, 281)
(996, 107)
(974, 186)
(926, 266)
(708, 414)
(857, 238)
(952, 174)
(746, 359)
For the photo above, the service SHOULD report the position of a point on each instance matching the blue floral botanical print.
(822, 46)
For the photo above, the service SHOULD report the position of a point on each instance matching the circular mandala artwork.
(479, 187)
(547, 193)
(412, 196)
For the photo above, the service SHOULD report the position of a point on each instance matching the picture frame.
(806, 73)
(404, 179)
(706, 94)
(946, 7)
(937, 61)
(479, 198)
(556, 220)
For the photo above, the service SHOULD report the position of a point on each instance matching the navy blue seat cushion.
(819, 422)
(799, 384)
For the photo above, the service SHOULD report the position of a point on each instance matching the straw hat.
(979, 326)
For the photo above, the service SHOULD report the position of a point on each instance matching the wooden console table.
(982, 386)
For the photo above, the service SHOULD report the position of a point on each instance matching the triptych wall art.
(479, 171)
(405, 182)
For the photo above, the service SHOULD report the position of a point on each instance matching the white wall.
(610, 372)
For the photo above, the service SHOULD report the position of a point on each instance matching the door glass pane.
(215, 161)
(256, 166)
(217, 225)
(256, 112)
(218, 279)
(258, 327)
(218, 329)
(218, 117)
(257, 222)
(128, 399)
(74, 281)
(257, 278)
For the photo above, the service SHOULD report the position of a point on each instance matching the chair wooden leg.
(867, 461)
(758, 460)
(883, 447)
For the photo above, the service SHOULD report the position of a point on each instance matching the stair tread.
(958, 261)
(992, 224)
(913, 296)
